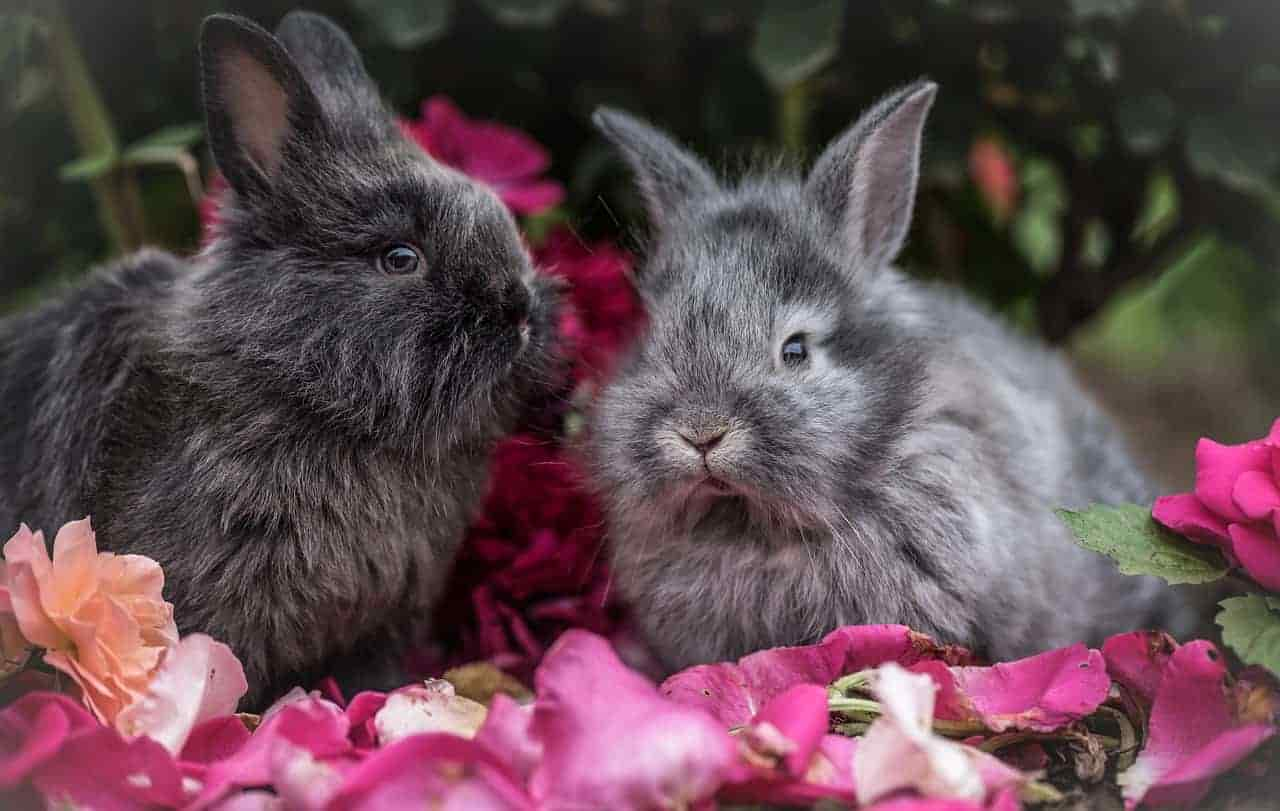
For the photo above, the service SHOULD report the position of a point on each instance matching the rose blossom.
(1235, 505)
(100, 617)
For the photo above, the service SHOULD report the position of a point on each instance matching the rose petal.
(506, 733)
(33, 730)
(611, 741)
(828, 776)
(418, 709)
(1257, 495)
(1219, 466)
(1138, 660)
(199, 679)
(1185, 515)
(214, 740)
(437, 771)
(734, 693)
(1259, 554)
(1042, 693)
(900, 752)
(799, 718)
(99, 769)
(318, 726)
(1193, 734)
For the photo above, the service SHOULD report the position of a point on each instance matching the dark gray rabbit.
(806, 438)
(296, 423)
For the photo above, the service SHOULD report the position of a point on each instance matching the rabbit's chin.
(717, 507)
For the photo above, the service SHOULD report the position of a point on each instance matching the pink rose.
(100, 617)
(1235, 505)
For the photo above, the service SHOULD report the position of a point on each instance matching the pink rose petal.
(1184, 514)
(214, 740)
(829, 776)
(198, 679)
(1042, 693)
(1257, 495)
(1259, 553)
(33, 730)
(734, 693)
(1219, 466)
(799, 718)
(611, 741)
(99, 769)
(1193, 734)
(1138, 660)
(316, 725)
(506, 734)
(430, 771)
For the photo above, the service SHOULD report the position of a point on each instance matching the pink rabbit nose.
(705, 440)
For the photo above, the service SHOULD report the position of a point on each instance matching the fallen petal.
(1042, 693)
(611, 741)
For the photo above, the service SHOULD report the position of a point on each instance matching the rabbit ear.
(255, 101)
(866, 179)
(669, 175)
(331, 64)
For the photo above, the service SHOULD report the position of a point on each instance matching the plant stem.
(793, 117)
(116, 193)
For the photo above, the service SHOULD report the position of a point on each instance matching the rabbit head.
(777, 368)
(351, 274)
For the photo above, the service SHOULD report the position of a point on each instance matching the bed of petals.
(103, 706)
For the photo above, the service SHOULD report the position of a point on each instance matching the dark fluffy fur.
(906, 473)
(297, 437)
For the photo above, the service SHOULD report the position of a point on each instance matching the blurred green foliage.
(1140, 138)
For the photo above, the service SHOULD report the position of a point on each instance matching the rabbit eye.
(795, 350)
(399, 260)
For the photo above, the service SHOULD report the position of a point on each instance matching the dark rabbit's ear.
(866, 179)
(331, 64)
(669, 175)
(255, 99)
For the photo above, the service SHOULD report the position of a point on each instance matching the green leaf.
(795, 40)
(145, 155)
(525, 13)
(179, 135)
(1232, 149)
(1130, 536)
(1251, 627)
(1146, 122)
(406, 24)
(88, 167)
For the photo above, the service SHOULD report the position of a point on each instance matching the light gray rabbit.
(296, 424)
(806, 438)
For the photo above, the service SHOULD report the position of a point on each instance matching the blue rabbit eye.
(400, 260)
(795, 350)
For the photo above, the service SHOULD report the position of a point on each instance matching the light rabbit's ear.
(256, 102)
(866, 179)
(669, 175)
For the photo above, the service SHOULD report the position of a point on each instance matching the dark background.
(1137, 222)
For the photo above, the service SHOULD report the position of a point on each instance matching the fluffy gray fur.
(906, 472)
(297, 436)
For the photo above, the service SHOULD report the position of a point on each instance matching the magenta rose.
(1235, 505)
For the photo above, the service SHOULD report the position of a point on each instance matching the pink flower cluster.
(599, 735)
(1235, 505)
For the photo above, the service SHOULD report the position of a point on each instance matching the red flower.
(531, 565)
(603, 313)
(502, 157)
(993, 170)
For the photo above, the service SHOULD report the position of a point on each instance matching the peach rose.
(14, 647)
(100, 616)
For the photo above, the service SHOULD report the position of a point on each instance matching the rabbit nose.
(706, 439)
(516, 303)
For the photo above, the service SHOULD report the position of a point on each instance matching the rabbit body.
(806, 438)
(296, 431)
